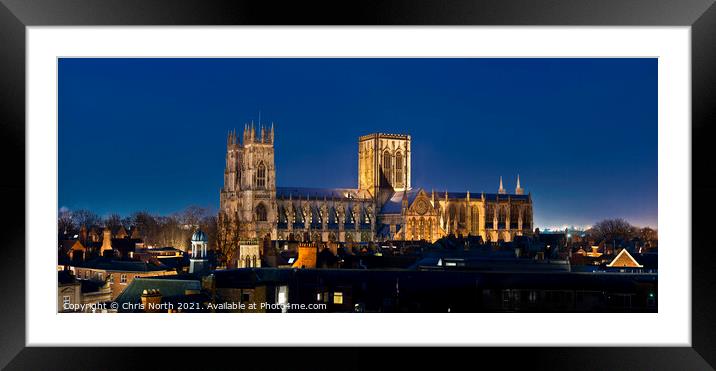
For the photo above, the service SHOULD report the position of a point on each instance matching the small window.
(318, 297)
(337, 297)
(111, 277)
(123, 278)
(100, 276)
(66, 300)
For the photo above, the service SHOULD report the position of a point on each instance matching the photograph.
(357, 185)
(309, 186)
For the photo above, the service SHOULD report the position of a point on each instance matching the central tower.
(383, 162)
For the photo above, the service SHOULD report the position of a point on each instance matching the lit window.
(123, 278)
(100, 276)
(318, 297)
(66, 300)
(337, 298)
(399, 169)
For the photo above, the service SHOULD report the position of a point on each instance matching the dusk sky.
(150, 134)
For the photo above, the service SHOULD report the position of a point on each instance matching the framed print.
(468, 174)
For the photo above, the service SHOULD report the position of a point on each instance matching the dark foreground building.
(396, 290)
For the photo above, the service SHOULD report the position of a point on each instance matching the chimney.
(151, 300)
(106, 241)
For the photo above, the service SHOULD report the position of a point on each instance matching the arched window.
(261, 213)
(475, 220)
(421, 229)
(253, 261)
(430, 230)
(399, 175)
(261, 176)
(388, 166)
(247, 262)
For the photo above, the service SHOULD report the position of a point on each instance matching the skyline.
(581, 133)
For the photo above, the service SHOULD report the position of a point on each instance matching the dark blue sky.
(150, 134)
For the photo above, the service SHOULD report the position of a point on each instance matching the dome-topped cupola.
(199, 236)
(197, 261)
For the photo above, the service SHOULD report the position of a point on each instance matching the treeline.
(156, 230)
(609, 230)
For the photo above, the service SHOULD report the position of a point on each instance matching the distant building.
(75, 295)
(384, 206)
(118, 273)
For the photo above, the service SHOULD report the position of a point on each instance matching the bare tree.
(611, 230)
(65, 224)
(649, 235)
(193, 215)
(85, 217)
(113, 221)
(227, 238)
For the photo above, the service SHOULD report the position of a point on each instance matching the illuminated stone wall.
(384, 162)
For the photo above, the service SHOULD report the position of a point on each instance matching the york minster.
(384, 206)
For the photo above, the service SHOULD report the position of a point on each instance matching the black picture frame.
(16, 15)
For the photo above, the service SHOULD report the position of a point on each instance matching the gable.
(624, 259)
(421, 205)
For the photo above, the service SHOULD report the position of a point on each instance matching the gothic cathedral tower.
(248, 198)
(383, 164)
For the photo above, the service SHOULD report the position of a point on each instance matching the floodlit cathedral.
(385, 206)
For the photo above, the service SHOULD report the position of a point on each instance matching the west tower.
(248, 198)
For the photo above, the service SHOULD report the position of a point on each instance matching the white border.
(671, 326)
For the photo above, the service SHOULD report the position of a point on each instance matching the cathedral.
(384, 206)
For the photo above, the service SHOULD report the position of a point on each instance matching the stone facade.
(385, 206)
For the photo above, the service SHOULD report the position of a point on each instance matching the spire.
(502, 189)
(468, 196)
(271, 135)
(518, 189)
